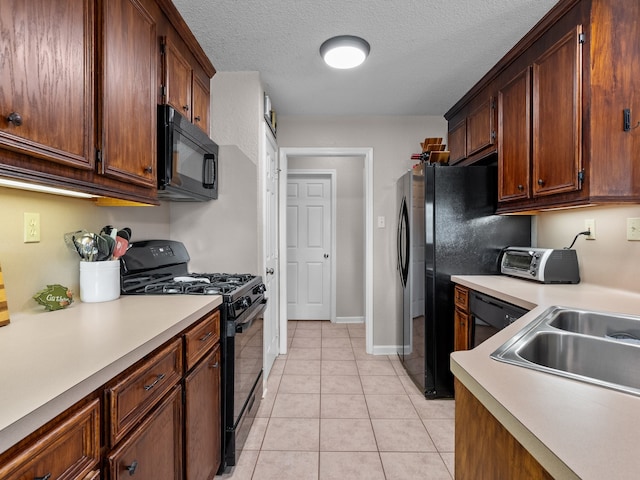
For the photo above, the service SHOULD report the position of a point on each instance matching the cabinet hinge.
(493, 103)
(163, 45)
(163, 91)
(581, 38)
(581, 176)
(493, 135)
(98, 156)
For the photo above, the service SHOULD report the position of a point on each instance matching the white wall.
(236, 111)
(30, 267)
(350, 224)
(610, 260)
(393, 139)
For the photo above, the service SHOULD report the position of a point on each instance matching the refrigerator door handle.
(403, 256)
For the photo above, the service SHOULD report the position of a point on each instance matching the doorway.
(311, 243)
(366, 154)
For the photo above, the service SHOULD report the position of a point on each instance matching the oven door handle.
(246, 325)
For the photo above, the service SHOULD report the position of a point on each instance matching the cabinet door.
(177, 79)
(71, 450)
(129, 120)
(557, 117)
(203, 418)
(480, 129)
(201, 104)
(462, 336)
(458, 142)
(46, 73)
(154, 449)
(514, 138)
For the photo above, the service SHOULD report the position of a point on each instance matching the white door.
(309, 247)
(270, 241)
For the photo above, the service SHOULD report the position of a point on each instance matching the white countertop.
(574, 429)
(51, 360)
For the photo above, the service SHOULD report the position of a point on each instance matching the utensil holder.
(99, 281)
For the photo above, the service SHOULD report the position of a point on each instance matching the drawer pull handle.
(44, 477)
(150, 386)
(214, 365)
(132, 468)
(206, 337)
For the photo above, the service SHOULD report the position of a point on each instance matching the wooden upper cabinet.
(46, 73)
(201, 103)
(557, 117)
(184, 86)
(178, 78)
(473, 135)
(514, 138)
(481, 133)
(129, 113)
(458, 142)
(540, 126)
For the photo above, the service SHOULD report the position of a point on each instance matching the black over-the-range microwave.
(187, 159)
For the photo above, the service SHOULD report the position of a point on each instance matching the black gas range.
(160, 267)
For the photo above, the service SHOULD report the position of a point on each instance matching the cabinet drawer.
(461, 297)
(201, 337)
(71, 450)
(136, 392)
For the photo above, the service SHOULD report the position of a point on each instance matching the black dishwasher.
(490, 315)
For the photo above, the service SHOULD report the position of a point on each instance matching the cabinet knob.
(214, 365)
(148, 169)
(15, 118)
(521, 187)
(132, 468)
(197, 118)
(185, 108)
(540, 182)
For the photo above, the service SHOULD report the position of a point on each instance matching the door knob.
(326, 255)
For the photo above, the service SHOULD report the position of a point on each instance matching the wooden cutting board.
(4, 309)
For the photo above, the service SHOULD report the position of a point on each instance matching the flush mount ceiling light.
(344, 51)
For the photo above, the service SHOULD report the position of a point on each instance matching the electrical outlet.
(633, 228)
(31, 227)
(590, 225)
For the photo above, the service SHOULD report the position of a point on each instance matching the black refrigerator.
(446, 226)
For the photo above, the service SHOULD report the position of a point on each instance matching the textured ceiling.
(425, 54)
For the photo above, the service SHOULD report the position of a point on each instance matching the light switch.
(381, 223)
(31, 227)
(633, 228)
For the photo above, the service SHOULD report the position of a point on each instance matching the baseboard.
(349, 319)
(386, 349)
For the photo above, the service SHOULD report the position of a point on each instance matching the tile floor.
(334, 412)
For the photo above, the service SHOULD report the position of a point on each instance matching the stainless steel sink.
(594, 347)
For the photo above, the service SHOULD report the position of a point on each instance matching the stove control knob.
(245, 302)
(259, 289)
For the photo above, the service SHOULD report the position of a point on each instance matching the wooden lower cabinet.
(484, 448)
(203, 419)
(70, 450)
(461, 319)
(154, 449)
